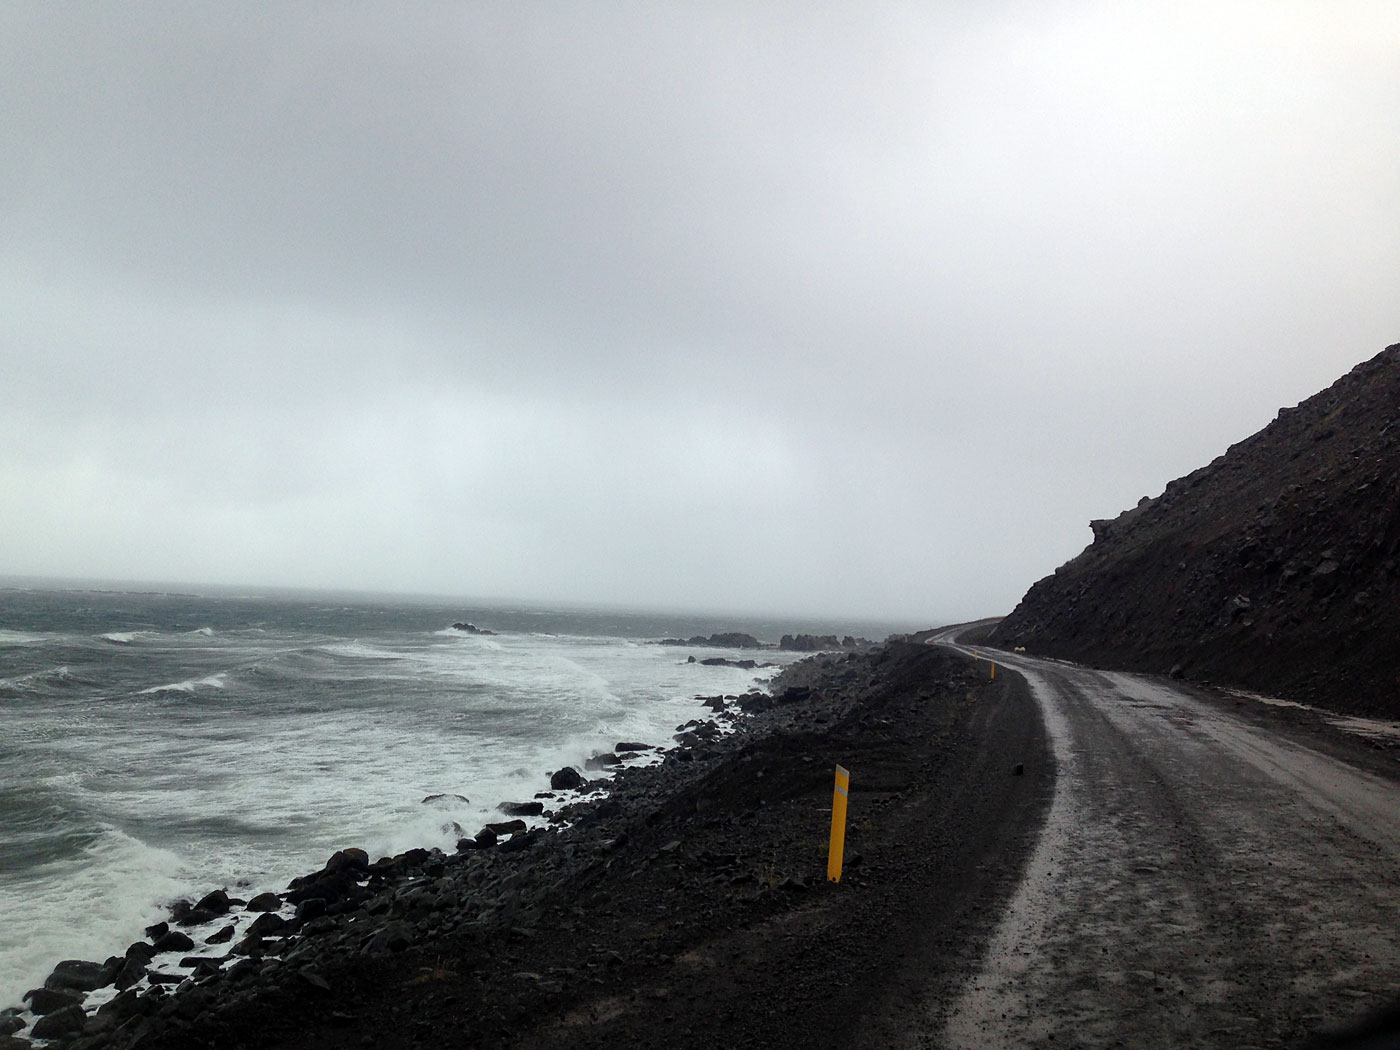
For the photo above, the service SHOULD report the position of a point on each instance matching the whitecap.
(213, 681)
(358, 651)
(35, 681)
(24, 638)
(173, 687)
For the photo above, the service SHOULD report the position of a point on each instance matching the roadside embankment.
(1275, 568)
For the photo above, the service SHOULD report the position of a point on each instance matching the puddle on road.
(1370, 728)
(1272, 701)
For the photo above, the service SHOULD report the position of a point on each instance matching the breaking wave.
(213, 681)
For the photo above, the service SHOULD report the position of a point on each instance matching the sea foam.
(8, 637)
(88, 907)
(213, 681)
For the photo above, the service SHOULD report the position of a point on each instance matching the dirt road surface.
(1199, 880)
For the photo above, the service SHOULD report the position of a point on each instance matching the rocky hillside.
(1275, 568)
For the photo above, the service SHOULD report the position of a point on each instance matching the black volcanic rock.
(521, 809)
(47, 1000)
(816, 643)
(566, 779)
(471, 628)
(721, 640)
(720, 661)
(173, 941)
(61, 1024)
(808, 643)
(1276, 567)
(80, 976)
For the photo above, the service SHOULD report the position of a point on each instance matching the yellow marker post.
(838, 825)
(994, 670)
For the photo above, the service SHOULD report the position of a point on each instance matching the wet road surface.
(1199, 881)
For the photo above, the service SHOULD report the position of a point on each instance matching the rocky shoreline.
(525, 932)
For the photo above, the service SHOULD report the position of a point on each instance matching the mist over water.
(158, 745)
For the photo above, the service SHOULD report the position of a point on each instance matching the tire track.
(1189, 886)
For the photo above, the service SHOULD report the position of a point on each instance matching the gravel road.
(1200, 880)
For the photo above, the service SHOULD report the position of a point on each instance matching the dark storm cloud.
(713, 303)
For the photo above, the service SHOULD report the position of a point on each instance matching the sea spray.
(87, 907)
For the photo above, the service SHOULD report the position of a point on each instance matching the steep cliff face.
(1275, 568)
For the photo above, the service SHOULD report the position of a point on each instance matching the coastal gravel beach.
(688, 907)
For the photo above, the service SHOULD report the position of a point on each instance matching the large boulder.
(751, 703)
(140, 951)
(223, 936)
(352, 859)
(80, 975)
(173, 941)
(46, 1000)
(521, 809)
(507, 827)
(567, 779)
(327, 886)
(266, 923)
(127, 1004)
(520, 841)
(61, 1024)
(196, 917)
(215, 903)
(394, 937)
(133, 969)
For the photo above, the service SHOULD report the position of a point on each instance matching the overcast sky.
(844, 309)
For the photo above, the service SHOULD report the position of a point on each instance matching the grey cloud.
(599, 292)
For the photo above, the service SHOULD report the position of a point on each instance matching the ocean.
(156, 745)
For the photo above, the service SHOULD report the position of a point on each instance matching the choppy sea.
(155, 745)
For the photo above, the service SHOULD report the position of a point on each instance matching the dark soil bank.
(689, 908)
(1275, 568)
